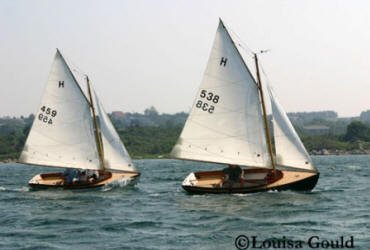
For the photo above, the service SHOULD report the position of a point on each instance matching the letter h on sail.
(223, 61)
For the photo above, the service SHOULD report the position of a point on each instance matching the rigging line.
(75, 67)
(79, 72)
(240, 42)
(235, 48)
(247, 52)
(64, 62)
(71, 63)
(265, 74)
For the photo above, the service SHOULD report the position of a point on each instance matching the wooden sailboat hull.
(211, 182)
(57, 180)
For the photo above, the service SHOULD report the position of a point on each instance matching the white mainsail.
(225, 124)
(290, 151)
(115, 153)
(62, 133)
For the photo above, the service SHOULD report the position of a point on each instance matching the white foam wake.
(119, 184)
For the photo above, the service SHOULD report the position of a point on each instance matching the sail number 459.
(47, 114)
(208, 96)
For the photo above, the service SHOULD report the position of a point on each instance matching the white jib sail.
(290, 151)
(62, 133)
(225, 124)
(116, 156)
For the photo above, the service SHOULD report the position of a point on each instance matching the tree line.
(153, 135)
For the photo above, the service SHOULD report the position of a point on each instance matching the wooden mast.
(96, 128)
(259, 86)
(267, 129)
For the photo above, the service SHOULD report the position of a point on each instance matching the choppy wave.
(354, 167)
(157, 213)
(121, 183)
(20, 189)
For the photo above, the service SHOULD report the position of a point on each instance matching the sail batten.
(225, 124)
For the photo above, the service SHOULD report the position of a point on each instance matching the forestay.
(225, 124)
(115, 153)
(62, 133)
(289, 148)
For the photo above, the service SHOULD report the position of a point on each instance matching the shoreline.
(340, 152)
(322, 152)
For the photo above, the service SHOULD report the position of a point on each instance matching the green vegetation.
(356, 140)
(152, 135)
(149, 142)
(13, 133)
(357, 131)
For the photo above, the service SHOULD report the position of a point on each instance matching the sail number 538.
(208, 96)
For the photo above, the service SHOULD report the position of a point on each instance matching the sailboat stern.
(296, 181)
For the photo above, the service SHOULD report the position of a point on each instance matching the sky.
(142, 53)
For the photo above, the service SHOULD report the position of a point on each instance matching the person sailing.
(92, 175)
(71, 175)
(232, 175)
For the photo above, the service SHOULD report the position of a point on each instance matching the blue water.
(158, 214)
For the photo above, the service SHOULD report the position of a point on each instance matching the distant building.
(309, 117)
(118, 115)
(316, 129)
(365, 116)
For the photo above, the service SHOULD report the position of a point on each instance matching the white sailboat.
(228, 124)
(71, 130)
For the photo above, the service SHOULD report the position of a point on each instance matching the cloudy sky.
(141, 53)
